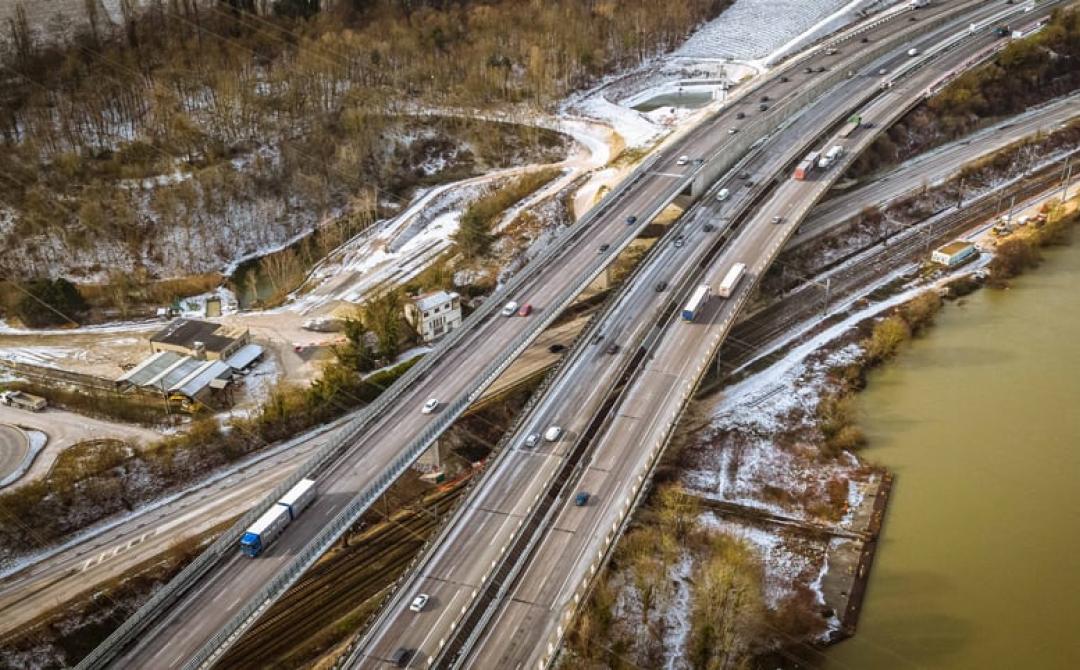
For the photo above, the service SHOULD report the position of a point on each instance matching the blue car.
(581, 498)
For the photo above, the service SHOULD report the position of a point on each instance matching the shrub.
(1012, 257)
(887, 337)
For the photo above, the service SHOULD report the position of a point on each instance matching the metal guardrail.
(635, 497)
(872, 91)
(225, 544)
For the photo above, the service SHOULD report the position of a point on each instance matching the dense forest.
(1027, 72)
(192, 131)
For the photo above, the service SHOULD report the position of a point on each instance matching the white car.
(683, 160)
(418, 603)
(723, 194)
(913, 52)
(553, 434)
(510, 309)
(430, 406)
(532, 440)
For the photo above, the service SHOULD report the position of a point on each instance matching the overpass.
(621, 399)
(195, 617)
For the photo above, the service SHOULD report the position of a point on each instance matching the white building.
(954, 253)
(434, 314)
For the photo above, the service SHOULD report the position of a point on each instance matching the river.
(978, 561)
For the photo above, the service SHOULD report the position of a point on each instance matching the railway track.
(338, 588)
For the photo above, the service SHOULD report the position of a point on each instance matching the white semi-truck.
(272, 523)
(22, 400)
(731, 280)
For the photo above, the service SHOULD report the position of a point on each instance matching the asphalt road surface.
(206, 608)
(486, 529)
(14, 447)
(936, 166)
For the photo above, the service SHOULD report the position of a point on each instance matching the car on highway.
(740, 115)
(723, 194)
(631, 220)
(430, 406)
(785, 79)
(419, 602)
(553, 433)
(913, 52)
(661, 286)
(581, 498)
(744, 175)
(808, 70)
(732, 131)
(556, 348)
(602, 248)
(401, 657)
(683, 160)
(865, 40)
(612, 349)
(679, 241)
(708, 227)
(883, 70)
(778, 219)
(763, 107)
(532, 440)
(525, 310)
(510, 309)
(831, 52)
(765, 98)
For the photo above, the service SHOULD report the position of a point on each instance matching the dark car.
(765, 98)
(744, 175)
(784, 79)
(401, 657)
(661, 286)
(631, 220)
(740, 115)
(557, 348)
(581, 498)
(808, 70)
(865, 40)
(612, 349)
(708, 228)
(763, 107)
(603, 248)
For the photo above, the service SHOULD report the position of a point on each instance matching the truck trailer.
(271, 524)
(298, 497)
(731, 280)
(804, 168)
(697, 299)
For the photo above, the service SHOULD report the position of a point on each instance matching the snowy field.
(754, 29)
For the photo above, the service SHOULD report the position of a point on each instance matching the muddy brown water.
(980, 421)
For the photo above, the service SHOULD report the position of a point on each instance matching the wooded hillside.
(197, 128)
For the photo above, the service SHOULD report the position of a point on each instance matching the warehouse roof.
(186, 332)
(151, 368)
(205, 375)
(244, 356)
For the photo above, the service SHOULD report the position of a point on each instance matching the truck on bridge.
(271, 524)
(697, 299)
(731, 280)
(807, 166)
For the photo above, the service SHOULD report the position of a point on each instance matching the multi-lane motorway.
(206, 608)
(490, 524)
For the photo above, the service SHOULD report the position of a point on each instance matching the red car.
(525, 310)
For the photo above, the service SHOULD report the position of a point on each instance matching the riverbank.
(978, 418)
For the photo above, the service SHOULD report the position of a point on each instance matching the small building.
(434, 314)
(954, 254)
(199, 339)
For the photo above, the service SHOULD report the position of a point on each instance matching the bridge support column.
(430, 461)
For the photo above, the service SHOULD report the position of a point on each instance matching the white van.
(683, 160)
(510, 309)
(553, 434)
(723, 194)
